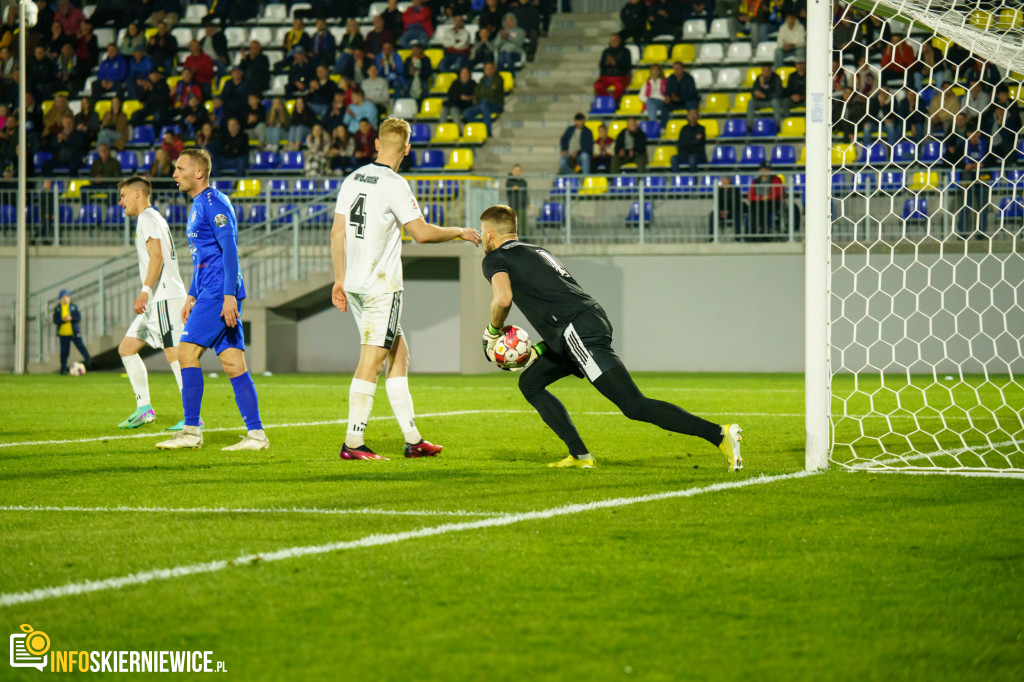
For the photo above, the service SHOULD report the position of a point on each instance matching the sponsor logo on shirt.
(220, 220)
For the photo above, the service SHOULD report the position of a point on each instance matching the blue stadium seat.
(420, 134)
(446, 189)
(292, 161)
(725, 156)
(331, 186)
(892, 181)
(707, 184)
(633, 217)
(91, 158)
(142, 136)
(734, 127)
(318, 214)
(40, 158)
(765, 127)
(799, 182)
(432, 159)
(652, 129)
(1020, 150)
(783, 154)
(743, 182)
(551, 215)
(915, 209)
(564, 183)
(604, 105)
(753, 155)
(904, 152)
(33, 215)
(263, 162)
(864, 182)
(878, 153)
(412, 158)
(176, 214)
(624, 184)
(1011, 207)
(682, 183)
(90, 214)
(306, 188)
(280, 188)
(225, 186)
(8, 214)
(257, 214)
(283, 212)
(148, 158)
(841, 182)
(171, 128)
(129, 162)
(435, 214)
(115, 215)
(654, 184)
(930, 151)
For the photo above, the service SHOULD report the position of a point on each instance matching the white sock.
(138, 376)
(176, 368)
(401, 405)
(360, 404)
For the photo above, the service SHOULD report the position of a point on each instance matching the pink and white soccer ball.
(512, 350)
(76, 369)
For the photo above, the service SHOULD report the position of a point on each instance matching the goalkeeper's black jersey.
(542, 288)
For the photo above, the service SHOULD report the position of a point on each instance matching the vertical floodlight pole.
(21, 301)
(817, 283)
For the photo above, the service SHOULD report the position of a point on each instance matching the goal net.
(926, 300)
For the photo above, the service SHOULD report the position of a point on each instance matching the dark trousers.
(65, 351)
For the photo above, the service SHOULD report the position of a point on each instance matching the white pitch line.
(143, 577)
(952, 472)
(938, 453)
(246, 510)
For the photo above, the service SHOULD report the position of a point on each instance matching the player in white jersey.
(158, 304)
(374, 203)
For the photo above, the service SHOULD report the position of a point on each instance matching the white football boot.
(250, 442)
(188, 437)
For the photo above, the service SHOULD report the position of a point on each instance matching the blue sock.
(245, 398)
(191, 394)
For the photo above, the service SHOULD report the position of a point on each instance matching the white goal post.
(914, 289)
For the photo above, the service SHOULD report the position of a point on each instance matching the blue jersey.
(213, 242)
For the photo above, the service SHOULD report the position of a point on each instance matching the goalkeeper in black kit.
(577, 340)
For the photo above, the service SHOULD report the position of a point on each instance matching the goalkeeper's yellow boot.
(571, 462)
(730, 446)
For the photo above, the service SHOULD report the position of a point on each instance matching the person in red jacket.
(416, 22)
(201, 66)
(765, 196)
(185, 88)
(898, 59)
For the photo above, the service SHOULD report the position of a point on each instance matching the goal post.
(914, 211)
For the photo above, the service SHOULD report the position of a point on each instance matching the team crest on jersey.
(192, 218)
(220, 220)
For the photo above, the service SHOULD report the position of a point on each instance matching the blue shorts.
(205, 327)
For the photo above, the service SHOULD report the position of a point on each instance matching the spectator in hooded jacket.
(510, 44)
(577, 146)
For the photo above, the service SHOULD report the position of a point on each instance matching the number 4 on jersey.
(357, 215)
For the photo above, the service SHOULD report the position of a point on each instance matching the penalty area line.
(143, 577)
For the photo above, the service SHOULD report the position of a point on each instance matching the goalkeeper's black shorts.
(586, 345)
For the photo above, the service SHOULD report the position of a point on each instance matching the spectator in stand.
(162, 166)
(105, 166)
(53, 120)
(185, 88)
(461, 96)
(68, 147)
(483, 50)
(235, 94)
(55, 40)
(339, 155)
(791, 41)
(1001, 124)
(510, 44)
(393, 19)
(8, 75)
(323, 47)
(253, 120)
(68, 75)
(166, 11)
(162, 48)
(192, 116)
(111, 75)
(214, 44)
(139, 68)
(389, 63)
(630, 147)
(976, 101)
(912, 116)
(172, 144)
(299, 75)
(898, 60)
(758, 21)
(690, 146)
(321, 91)
(232, 150)
(256, 67)
(87, 121)
(276, 125)
(133, 40)
(577, 146)
(351, 40)
(335, 116)
(730, 209)
(416, 72)
(69, 17)
(358, 110)
(616, 66)
(490, 16)
(416, 25)
(653, 94)
(517, 194)
(971, 214)
(156, 101)
(376, 38)
(766, 94)
(765, 197)
(317, 145)
(527, 19)
(201, 66)
(604, 149)
(955, 142)
(457, 47)
(634, 21)
(361, 66)
(86, 48)
(490, 97)
(375, 89)
(701, 9)
(931, 66)
(206, 138)
(302, 120)
(666, 17)
(882, 113)
(364, 150)
(114, 126)
(295, 38)
(795, 93)
(943, 109)
(40, 73)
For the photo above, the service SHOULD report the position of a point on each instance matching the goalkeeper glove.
(532, 358)
(491, 336)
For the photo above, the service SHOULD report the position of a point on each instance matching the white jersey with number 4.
(376, 202)
(151, 225)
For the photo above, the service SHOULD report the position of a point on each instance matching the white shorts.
(160, 326)
(377, 316)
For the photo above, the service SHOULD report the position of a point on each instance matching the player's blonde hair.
(142, 182)
(395, 132)
(502, 218)
(201, 157)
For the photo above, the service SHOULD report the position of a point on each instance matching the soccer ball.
(76, 369)
(512, 350)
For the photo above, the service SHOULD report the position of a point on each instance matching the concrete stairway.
(549, 91)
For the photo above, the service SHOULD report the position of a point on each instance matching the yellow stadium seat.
(844, 154)
(630, 105)
(924, 180)
(794, 126)
(803, 155)
(739, 103)
(508, 80)
(47, 105)
(684, 53)
(639, 77)
(405, 54)
(1010, 19)
(594, 185)
(959, 91)
(336, 77)
(435, 55)
(289, 106)
(710, 127)
(247, 189)
(655, 54)
(431, 108)
(101, 107)
(662, 157)
(445, 133)
(784, 73)
(130, 106)
(671, 131)
(150, 32)
(982, 19)
(752, 74)
(593, 126)
(219, 85)
(172, 82)
(460, 160)
(716, 103)
(615, 127)
(940, 44)
(74, 190)
(474, 133)
(443, 81)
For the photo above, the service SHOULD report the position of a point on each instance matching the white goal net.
(926, 320)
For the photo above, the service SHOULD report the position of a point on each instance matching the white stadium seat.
(275, 13)
(720, 29)
(338, 32)
(694, 29)
(184, 35)
(406, 108)
(765, 52)
(281, 33)
(634, 54)
(262, 34)
(278, 84)
(236, 36)
(739, 53)
(105, 36)
(710, 53)
(377, 8)
(702, 78)
(298, 7)
(443, 32)
(194, 13)
(730, 78)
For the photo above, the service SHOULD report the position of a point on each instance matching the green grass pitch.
(834, 576)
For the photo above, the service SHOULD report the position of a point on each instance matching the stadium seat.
(915, 208)
(552, 214)
(739, 52)
(720, 30)
(630, 105)
(729, 78)
(695, 29)
(432, 159)
(716, 103)
(865, 182)
(263, 162)
(735, 127)
(474, 133)
(286, 214)
(672, 130)
(892, 181)
(739, 103)
(305, 188)
(710, 53)
(624, 184)
(302, 7)
(319, 214)
(1011, 207)
(91, 158)
(724, 156)
(194, 13)
(434, 213)
(711, 130)
(784, 154)
(784, 73)
(702, 78)
(460, 160)
(654, 185)
(765, 53)
(292, 161)
(565, 183)
(430, 109)
(683, 52)
(129, 162)
(594, 185)
(236, 37)
(445, 133)
(442, 82)
(279, 188)
(878, 153)
(420, 133)
(75, 188)
(750, 76)
(707, 184)
(604, 105)
(652, 129)
(904, 152)
(638, 78)
(765, 127)
(844, 154)
(662, 157)
(922, 181)
(437, 189)
(1010, 19)
(115, 215)
(247, 189)
(841, 183)
(930, 152)
(615, 127)
(90, 214)
(405, 107)
(1013, 178)
(793, 127)
(743, 182)
(142, 136)
(257, 214)
(592, 126)
(176, 214)
(654, 54)
(183, 34)
(508, 81)
(633, 217)
(753, 155)
(678, 184)
(376, 9)
(434, 55)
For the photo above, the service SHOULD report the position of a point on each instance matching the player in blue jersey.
(213, 308)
